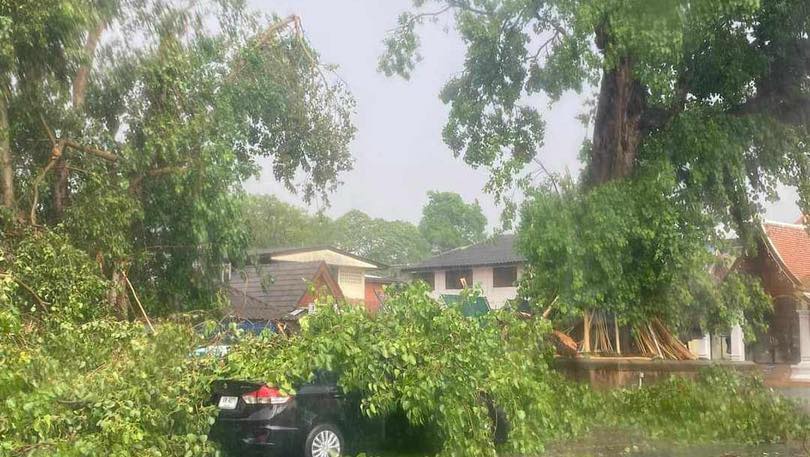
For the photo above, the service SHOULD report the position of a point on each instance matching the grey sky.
(398, 150)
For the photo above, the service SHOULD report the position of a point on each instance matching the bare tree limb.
(48, 130)
(106, 155)
(459, 5)
(550, 176)
(545, 44)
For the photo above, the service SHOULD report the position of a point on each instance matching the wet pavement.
(612, 443)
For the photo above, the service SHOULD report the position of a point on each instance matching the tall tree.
(448, 222)
(273, 223)
(702, 109)
(136, 148)
(389, 242)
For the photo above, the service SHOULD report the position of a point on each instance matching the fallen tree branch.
(42, 303)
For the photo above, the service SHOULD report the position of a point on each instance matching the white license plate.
(228, 402)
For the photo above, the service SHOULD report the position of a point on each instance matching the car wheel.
(324, 440)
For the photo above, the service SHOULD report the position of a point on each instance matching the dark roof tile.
(499, 250)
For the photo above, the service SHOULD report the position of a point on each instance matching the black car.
(318, 421)
(257, 419)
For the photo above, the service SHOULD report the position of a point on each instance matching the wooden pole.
(655, 340)
(137, 300)
(586, 330)
(616, 330)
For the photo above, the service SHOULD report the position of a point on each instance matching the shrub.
(720, 405)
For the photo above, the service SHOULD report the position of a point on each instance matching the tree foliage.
(104, 387)
(73, 386)
(273, 223)
(129, 125)
(448, 222)
(55, 280)
(634, 257)
(702, 110)
(389, 242)
(398, 360)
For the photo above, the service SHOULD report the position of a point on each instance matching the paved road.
(610, 443)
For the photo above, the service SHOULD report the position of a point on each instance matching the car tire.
(324, 440)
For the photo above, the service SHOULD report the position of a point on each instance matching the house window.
(504, 276)
(452, 278)
(426, 276)
(350, 276)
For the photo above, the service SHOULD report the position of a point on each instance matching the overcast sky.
(398, 150)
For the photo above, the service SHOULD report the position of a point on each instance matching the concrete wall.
(628, 372)
(481, 276)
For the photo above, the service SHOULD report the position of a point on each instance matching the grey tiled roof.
(499, 250)
(284, 285)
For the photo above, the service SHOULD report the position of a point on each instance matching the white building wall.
(352, 282)
(482, 277)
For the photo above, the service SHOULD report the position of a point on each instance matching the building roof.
(269, 253)
(790, 244)
(272, 291)
(380, 279)
(499, 250)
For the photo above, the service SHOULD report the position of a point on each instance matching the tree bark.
(117, 295)
(61, 190)
(61, 185)
(83, 73)
(6, 163)
(617, 128)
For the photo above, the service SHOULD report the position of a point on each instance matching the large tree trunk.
(83, 73)
(117, 293)
(61, 185)
(6, 164)
(617, 127)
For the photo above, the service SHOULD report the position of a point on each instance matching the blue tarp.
(256, 327)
